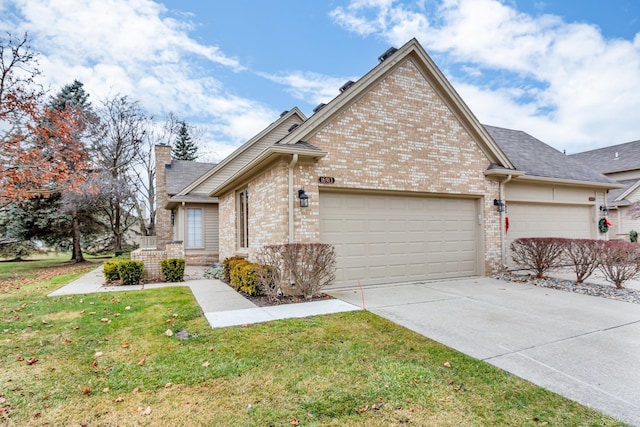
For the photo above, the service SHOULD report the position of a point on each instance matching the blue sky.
(567, 72)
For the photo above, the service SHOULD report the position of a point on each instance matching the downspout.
(503, 215)
(294, 160)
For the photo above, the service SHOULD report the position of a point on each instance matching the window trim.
(188, 229)
(242, 223)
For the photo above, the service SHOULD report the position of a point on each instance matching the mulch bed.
(264, 301)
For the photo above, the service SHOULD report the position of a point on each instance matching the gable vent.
(387, 54)
(319, 107)
(284, 113)
(346, 86)
(293, 127)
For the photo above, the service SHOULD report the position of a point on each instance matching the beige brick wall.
(399, 136)
(227, 215)
(153, 258)
(164, 230)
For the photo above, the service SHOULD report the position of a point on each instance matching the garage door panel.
(539, 220)
(384, 239)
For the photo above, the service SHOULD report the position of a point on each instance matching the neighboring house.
(401, 178)
(621, 163)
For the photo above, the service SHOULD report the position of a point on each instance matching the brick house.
(401, 178)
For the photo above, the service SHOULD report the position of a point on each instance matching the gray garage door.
(385, 239)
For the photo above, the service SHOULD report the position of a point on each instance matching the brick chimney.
(164, 229)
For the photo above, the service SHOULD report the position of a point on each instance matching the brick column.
(164, 229)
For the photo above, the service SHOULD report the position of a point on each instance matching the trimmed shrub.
(633, 236)
(173, 269)
(619, 261)
(583, 255)
(269, 271)
(539, 254)
(244, 278)
(130, 272)
(228, 265)
(110, 270)
(309, 266)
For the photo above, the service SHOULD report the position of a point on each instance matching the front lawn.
(150, 358)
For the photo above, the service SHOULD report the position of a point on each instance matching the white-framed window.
(194, 228)
(243, 219)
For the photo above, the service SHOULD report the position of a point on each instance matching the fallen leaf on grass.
(37, 414)
(105, 320)
(98, 354)
(295, 422)
(169, 333)
(142, 361)
(86, 391)
(32, 360)
(44, 322)
(118, 400)
(205, 364)
(136, 390)
(94, 365)
(105, 390)
(125, 344)
(146, 411)
(447, 364)
(167, 385)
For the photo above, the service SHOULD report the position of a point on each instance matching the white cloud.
(308, 86)
(134, 47)
(588, 86)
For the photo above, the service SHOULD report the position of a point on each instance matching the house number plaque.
(326, 180)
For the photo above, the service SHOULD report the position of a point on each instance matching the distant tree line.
(74, 175)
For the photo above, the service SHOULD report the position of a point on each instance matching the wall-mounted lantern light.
(304, 199)
(499, 204)
(173, 217)
(604, 210)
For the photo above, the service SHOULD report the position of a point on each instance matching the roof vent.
(387, 54)
(293, 126)
(319, 107)
(346, 86)
(617, 157)
(284, 112)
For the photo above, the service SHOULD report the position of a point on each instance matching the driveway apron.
(583, 347)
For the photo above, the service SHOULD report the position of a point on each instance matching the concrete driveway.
(583, 347)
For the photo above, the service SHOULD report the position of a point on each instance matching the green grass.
(103, 359)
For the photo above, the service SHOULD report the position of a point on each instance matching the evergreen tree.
(184, 148)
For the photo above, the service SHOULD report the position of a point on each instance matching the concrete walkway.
(222, 306)
(582, 347)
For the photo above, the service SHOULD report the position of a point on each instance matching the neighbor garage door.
(539, 220)
(387, 238)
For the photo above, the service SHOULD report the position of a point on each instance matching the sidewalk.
(222, 306)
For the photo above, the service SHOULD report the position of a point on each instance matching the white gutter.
(294, 160)
(503, 215)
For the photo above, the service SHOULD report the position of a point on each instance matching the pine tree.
(184, 148)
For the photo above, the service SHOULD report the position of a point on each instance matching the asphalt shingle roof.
(536, 158)
(181, 173)
(621, 157)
